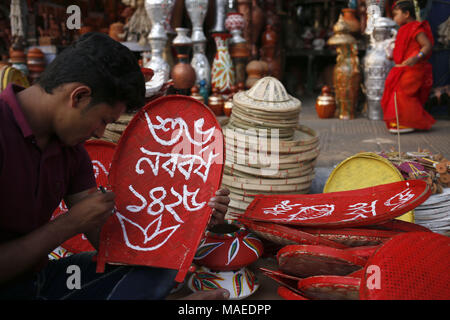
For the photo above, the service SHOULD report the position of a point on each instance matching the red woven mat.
(410, 266)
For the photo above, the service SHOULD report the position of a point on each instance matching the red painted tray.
(353, 237)
(307, 261)
(287, 294)
(399, 226)
(285, 235)
(410, 266)
(167, 165)
(101, 154)
(341, 209)
(364, 252)
(330, 288)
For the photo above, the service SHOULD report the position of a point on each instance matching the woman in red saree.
(409, 82)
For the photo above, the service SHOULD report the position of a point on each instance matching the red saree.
(412, 84)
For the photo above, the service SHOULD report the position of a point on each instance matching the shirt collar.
(10, 96)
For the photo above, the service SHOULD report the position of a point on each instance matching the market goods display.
(267, 151)
(327, 253)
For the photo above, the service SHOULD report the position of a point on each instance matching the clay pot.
(35, 60)
(228, 246)
(240, 284)
(215, 102)
(270, 37)
(325, 104)
(349, 16)
(17, 56)
(255, 70)
(116, 31)
(196, 95)
(183, 74)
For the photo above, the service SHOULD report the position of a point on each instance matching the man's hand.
(219, 203)
(91, 212)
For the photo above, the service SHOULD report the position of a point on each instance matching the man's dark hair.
(109, 68)
(406, 6)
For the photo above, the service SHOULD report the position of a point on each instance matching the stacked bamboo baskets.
(114, 130)
(267, 151)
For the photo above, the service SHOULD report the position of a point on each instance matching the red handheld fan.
(167, 165)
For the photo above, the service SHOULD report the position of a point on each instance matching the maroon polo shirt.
(33, 181)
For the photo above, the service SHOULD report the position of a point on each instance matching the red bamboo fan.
(307, 260)
(285, 235)
(330, 287)
(285, 280)
(101, 154)
(288, 294)
(341, 209)
(410, 266)
(167, 165)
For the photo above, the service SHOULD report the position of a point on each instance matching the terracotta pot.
(183, 75)
(228, 246)
(325, 104)
(349, 16)
(215, 102)
(255, 71)
(116, 31)
(270, 37)
(256, 27)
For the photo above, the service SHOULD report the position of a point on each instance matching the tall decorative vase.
(239, 50)
(375, 9)
(346, 75)
(183, 74)
(256, 27)
(377, 65)
(197, 10)
(222, 73)
(158, 12)
(219, 25)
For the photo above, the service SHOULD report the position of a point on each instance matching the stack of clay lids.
(434, 213)
(267, 151)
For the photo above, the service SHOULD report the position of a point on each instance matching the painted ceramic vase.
(228, 246)
(222, 71)
(235, 23)
(347, 79)
(240, 283)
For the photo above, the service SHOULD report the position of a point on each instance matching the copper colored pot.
(325, 104)
(183, 75)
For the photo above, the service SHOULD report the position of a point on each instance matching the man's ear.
(80, 96)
